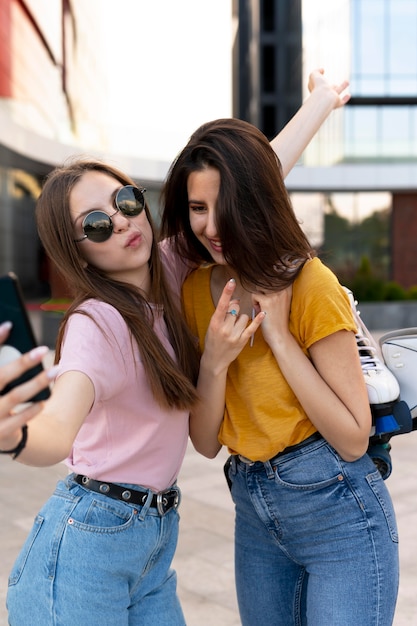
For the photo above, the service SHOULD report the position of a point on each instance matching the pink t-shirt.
(176, 269)
(127, 436)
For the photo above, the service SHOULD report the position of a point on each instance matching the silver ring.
(232, 312)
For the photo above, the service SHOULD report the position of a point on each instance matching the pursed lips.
(134, 239)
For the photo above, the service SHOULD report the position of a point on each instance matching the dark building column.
(404, 239)
(267, 62)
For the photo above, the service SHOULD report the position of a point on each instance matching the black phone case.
(21, 337)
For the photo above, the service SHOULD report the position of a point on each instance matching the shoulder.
(320, 305)
(173, 262)
(99, 312)
(94, 320)
(315, 270)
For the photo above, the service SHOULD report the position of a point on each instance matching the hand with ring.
(225, 339)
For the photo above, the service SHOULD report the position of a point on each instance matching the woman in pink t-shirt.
(100, 550)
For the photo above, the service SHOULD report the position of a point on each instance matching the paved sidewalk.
(204, 560)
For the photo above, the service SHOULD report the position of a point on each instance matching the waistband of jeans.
(288, 450)
(163, 501)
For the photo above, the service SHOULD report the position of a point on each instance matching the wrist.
(212, 367)
(19, 445)
(325, 96)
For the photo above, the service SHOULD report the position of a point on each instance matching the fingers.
(5, 328)
(239, 323)
(224, 303)
(345, 99)
(344, 85)
(233, 309)
(317, 79)
(15, 422)
(18, 366)
(12, 413)
(228, 322)
(23, 392)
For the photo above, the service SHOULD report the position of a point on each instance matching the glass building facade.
(355, 187)
(374, 44)
(381, 123)
(365, 155)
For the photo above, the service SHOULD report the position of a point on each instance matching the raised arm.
(297, 134)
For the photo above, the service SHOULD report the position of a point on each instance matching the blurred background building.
(355, 187)
(53, 105)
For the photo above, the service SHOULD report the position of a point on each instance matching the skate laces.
(368, 352)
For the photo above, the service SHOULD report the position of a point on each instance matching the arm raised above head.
(297, 134)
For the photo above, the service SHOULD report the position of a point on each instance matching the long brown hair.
(172, 383)
(260, 235)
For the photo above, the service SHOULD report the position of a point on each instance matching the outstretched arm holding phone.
(12, 420)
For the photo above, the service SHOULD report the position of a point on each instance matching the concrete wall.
(388, 315)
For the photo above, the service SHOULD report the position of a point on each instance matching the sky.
(169, 69)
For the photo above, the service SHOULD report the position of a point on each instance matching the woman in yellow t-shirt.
(281, 386)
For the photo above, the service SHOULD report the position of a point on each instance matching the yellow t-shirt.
(262, 414)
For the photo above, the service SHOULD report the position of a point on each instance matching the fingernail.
(53, 372)
(232, 280)
(39, 351)
(5, 326)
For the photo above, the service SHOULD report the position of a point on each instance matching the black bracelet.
(20, 446)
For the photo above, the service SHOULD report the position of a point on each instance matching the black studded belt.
(163, 501)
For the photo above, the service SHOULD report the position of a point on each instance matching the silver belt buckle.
(162, 501)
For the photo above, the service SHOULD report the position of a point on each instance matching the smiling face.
(203, 190)
(125, 255)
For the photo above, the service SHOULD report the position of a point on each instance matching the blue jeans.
(315, 541)
(94, 561)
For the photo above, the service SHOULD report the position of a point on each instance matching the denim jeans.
(94, 561)
(316, 541)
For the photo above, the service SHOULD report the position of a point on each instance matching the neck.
(220, 275)
(225, 273)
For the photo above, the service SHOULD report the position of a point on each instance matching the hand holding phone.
(21, 338)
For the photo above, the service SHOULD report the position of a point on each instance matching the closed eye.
(197, 208)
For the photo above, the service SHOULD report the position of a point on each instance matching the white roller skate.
(399, 349)
(390, 415)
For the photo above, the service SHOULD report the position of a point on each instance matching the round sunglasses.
(98, 227)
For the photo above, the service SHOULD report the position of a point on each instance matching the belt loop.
(146, 506)
(269, 470)
(179, 496)
(233, 465)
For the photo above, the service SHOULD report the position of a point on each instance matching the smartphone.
(21, 338)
